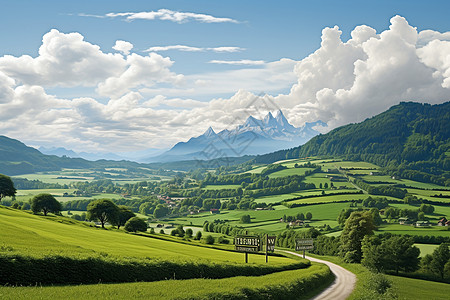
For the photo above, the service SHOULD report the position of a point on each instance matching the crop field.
(186, 289)
(35, 235)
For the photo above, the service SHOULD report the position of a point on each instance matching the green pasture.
(306, 193)
(319, 212)
(411, 230)
(426, 248)
(256, 170)
(25, 195)
(409, 288)
(222, 187)
(439, 210)
(37, 235)
(350, 164)
(53, 177)
(335, 198)
(234, 288)
(290, 172)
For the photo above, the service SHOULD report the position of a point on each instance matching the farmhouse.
(404, 221)
(442, 222)
(423, 224)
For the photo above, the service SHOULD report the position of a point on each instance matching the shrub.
(135, 224)
(209, 239)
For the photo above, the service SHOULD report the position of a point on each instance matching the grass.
(426, 248)
(289, 172)
(406, 229)
(409, 288)
(36, 235)
(25, 195)
(221, 187)
(272, 286)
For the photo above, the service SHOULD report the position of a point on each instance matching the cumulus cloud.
(194, 49)
(170, 15)
(123, 46)
(238, 62)
(341, 82)
(345, 82)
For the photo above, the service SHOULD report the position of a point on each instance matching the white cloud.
(340, 82)
(123, 46)
(238, 62)
(194, 49)
(345, 82)
(170, 15)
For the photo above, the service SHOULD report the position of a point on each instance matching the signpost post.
(247, 244)
(304, 244)
(270, 245)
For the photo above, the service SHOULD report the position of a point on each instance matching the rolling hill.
(410, 140)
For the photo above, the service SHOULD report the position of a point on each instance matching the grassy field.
(234, 288)
(406, 229)
(290, 172)
(25, 195)
(222, 187)
(37, 235)
(426, 248)
(409, 288)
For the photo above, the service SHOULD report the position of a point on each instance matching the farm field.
(290, 172)
(25, 195)
(34, 235)
(407, 229)
(305, 193)
(426, 249)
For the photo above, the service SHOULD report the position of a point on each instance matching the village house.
(442, 222)
(422, 224)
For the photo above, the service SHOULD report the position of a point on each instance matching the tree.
(209, 239)
(103, 210)
(7, 188)
(245, 219)
(440, 257)
(376, 216)
(189, 233)
(124, 214)
(160, 211)
(45, 203)
(401, 254)
(135, 224)
(198, 235)
(308, 216)
(357, 226)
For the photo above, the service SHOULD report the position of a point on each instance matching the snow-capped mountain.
(255, 136)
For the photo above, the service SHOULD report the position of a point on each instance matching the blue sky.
(104, 109)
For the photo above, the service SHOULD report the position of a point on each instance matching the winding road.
(341, 287)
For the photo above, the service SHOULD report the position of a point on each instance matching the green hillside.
(411, 140)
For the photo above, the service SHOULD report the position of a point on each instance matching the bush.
(135, 224)
(189, 233)
(223, 240)
(198, 235)
(209, 239)
(162, 231)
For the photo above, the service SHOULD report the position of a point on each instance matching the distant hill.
(410, 139)
(253, 137)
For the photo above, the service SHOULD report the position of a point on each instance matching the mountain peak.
(209, 132)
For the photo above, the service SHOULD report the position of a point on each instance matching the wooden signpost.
(304, 244)
(246, 244)
(270, 245)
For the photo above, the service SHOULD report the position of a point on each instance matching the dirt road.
(341, 287)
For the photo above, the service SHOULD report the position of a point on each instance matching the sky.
(122, 76)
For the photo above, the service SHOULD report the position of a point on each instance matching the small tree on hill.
(245, 219)
(189, 233)
(7, 188)
(103, 210)
(135, 224)
(357, 226)
(124, 214)
(308, 216)
(209, 239)
(198, 235)
(45, 203)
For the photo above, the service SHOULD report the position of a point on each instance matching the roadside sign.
(304, 244)
(247, 243)
(270, 246)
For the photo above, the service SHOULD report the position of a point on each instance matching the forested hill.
(410, 139)
(18, 158)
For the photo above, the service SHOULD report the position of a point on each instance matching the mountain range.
(273, 132)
